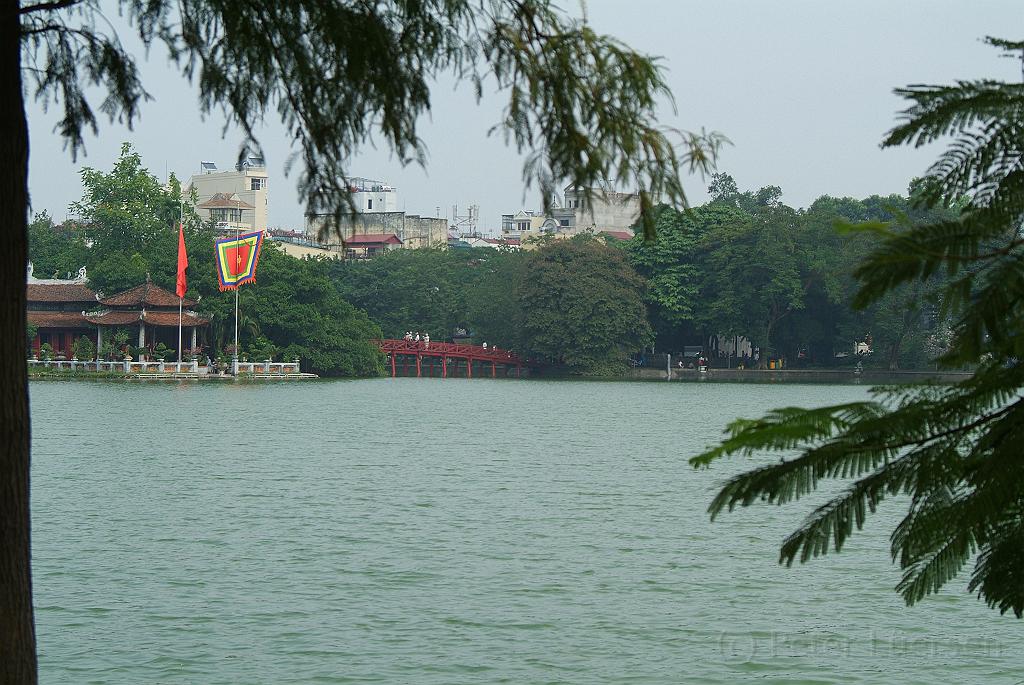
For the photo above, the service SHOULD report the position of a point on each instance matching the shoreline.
(828, 376)
(809, 376)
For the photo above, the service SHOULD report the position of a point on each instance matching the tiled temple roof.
(147, 294)
(59, 292)
(57, 320)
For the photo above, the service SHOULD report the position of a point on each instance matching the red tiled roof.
(146, 294)
(171, 319)
(226, 201)
(57, 320)
(62, 292)
(620, 235)
(374, 239)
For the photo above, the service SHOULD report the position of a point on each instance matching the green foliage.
(31, 330)
(754, 274)
(84, 349)
(494, 310)
(575, 303)
(411, 290)
(46, 352)
(131, 221)
(953, 451)
(581, 306)
(162, 352)
(56, 251)
(262, 349)
(299, 310)
(745, 264)
(671, 266)
(120, 337)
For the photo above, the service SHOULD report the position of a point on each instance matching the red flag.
(182, 284)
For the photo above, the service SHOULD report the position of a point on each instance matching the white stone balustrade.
(264, 368)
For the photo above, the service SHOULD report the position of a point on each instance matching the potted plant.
(83, 349)
(162, 352)
(46, 352)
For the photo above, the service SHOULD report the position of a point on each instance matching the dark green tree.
(421, 290)
(55, 251)
(953, 451)
(904, 319)
(581, 106)
(493, 308)
(297, 309)
(130, 220)
(753, 272)
(581, 306)
(673, 272)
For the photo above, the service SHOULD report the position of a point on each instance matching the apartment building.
(607, 211)
(378, 221)
(233, 199)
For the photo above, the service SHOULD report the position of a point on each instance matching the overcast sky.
(802, 88)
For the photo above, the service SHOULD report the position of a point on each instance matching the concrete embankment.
(866, 377)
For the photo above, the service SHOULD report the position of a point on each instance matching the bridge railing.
(476, 352)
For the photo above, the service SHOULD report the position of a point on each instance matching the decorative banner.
(237, 259)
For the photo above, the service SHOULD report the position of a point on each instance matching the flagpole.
(234, 356)
(181, 299)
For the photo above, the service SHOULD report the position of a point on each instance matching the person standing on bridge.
(426, 340)
(485, 344)
(417, 336)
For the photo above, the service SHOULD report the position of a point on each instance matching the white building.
(378, 225)
(526, 222)
(373, 197)
(607, 211)
(227, 211)
(233, 199)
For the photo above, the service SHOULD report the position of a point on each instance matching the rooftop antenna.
(466, 224)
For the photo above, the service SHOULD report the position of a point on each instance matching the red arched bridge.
(450, 359)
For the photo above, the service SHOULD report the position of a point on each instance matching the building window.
(369, 204)
(257, 183)
(230, 215)
(563, 222)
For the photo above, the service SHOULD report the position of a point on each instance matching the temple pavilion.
(151, 310)
(56, 307)
(64, 310)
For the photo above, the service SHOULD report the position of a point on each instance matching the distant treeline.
(744, 264)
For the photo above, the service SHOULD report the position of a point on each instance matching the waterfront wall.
(867, 377)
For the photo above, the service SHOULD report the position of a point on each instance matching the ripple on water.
(451, 532)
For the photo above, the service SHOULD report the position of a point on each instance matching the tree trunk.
(17, 631)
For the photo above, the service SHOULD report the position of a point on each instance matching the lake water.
(452, 531)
